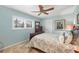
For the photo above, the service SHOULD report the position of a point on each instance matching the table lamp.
(70, 27)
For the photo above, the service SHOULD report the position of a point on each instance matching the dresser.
(38, 29)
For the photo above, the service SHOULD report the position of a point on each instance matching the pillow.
(76, 34)
(68, 37)
(65, 37)
(61, 38)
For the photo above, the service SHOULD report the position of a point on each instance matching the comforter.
(49, 43)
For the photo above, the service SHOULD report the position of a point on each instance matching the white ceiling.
(58, 9)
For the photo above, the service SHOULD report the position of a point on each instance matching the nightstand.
(76, 50)
(33, 34)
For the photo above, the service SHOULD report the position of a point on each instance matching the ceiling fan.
(44, 11)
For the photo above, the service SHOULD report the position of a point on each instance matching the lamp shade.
(70, 27)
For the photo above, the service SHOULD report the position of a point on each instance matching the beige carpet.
(21, 48)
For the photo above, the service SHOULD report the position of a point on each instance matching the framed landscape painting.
(28, 24)
(17, 23)
(20, 23)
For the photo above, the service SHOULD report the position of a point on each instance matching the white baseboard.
(14, 44)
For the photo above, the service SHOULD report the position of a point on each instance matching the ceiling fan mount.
(42, 10)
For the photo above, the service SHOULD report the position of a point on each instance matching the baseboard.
(14, 44)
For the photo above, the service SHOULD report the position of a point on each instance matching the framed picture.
(60, 24)
(37, 23)
(77, 19)
(17, 23)
(28, 24)
(20, 23)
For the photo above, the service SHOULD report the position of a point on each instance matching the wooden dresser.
(38, 30)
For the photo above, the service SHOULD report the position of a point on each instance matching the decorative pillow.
(68, 37)
(61, 38)
(75, 36)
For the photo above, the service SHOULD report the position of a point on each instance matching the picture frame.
(17, 23)
(37, 23)
(21, 23)
(28, 24)
(60, 24)
(77, 22)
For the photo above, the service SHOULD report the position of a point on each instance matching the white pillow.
(61, 38)
(68, 37)
(65, 37)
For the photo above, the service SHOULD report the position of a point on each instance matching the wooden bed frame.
(40, 51)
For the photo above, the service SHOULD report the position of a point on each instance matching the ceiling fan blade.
(45, 13)
(36, 11)
(49, 9)
(41, 7)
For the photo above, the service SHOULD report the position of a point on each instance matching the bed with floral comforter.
(51, 43)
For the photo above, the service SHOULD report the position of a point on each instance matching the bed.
(52, 43)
